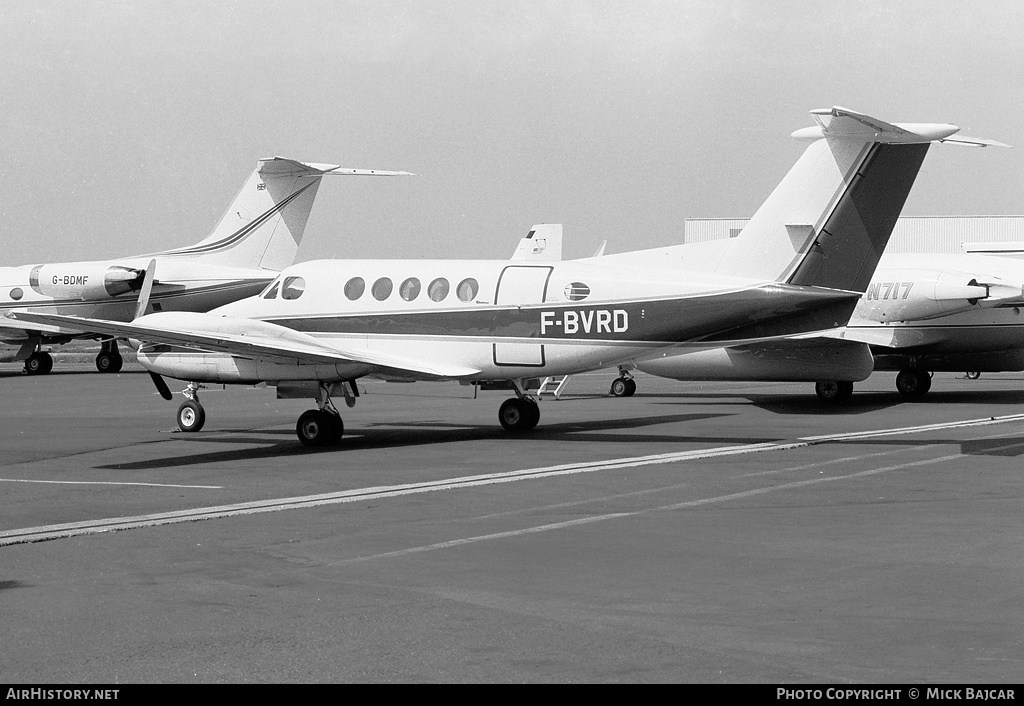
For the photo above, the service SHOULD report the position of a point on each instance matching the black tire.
(913, 382)
(833, 391)
(533, 414)
(518, 415)
(39, 363)
(619, 387)
(109, 362)
(972, 375)
(191, 416)
(630, 388)
(319, 428)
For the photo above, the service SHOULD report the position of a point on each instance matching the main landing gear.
(833, 391)
(316, 427)
(521, 413)
(323, 426)
(109, 359)
(624, 385)
(913, 382)
(39, 363)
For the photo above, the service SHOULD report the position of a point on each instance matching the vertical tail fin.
(543, 242)
(828, 221)
(263, 226)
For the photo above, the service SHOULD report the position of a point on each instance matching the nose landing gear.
(191, 415)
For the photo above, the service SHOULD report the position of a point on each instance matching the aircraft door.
(520, 284)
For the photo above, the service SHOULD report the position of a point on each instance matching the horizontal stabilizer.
(1012, 248)
(281, 166)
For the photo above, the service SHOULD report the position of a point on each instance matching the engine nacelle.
(917, 295)
(207, 366)
(85, 280)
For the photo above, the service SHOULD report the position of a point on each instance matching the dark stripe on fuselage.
(777, 309)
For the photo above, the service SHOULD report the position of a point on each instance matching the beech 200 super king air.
(256, 238)
(800, 266)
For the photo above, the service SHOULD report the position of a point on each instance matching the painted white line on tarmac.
(37, 534)
(634, 513)
(109, 482)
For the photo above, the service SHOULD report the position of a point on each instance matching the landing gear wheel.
(623, 387)
(518, 415)
(109, 362)
(913, 382)
(319, 428)
(191, 416)
(39, 363)
(833, 391)
(971, 375)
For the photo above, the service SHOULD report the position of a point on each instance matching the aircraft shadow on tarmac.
(384, 436)
(860, 403)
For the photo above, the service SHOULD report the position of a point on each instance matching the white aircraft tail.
(263, 226)
(828, 221)
(542, 243)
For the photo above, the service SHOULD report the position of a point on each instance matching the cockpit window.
(293, 287)
(272, 292)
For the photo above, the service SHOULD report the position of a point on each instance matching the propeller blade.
(161, 386)
(147, 288)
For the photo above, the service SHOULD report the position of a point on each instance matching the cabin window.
(576, 291)
(410, 289)
(17, 293)
(438, 289)
(293, 287)
(382, 289)
(467, 289)
(355, 287)
(272, 292)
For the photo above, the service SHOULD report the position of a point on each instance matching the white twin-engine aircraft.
(800, 266)
(257, 237)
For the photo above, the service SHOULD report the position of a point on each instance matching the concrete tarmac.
(696, 532)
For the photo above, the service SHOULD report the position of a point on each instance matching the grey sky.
(127, 127)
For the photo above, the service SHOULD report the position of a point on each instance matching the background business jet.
(257, 237)
(800, 266)
(921, 313)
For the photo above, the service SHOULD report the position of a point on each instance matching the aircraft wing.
(248, 338)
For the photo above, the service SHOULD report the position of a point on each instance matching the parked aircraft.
(921, 313)
(800, 266)
(258, 236)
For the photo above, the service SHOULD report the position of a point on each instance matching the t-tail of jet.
(263, 226)
(828, 221)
